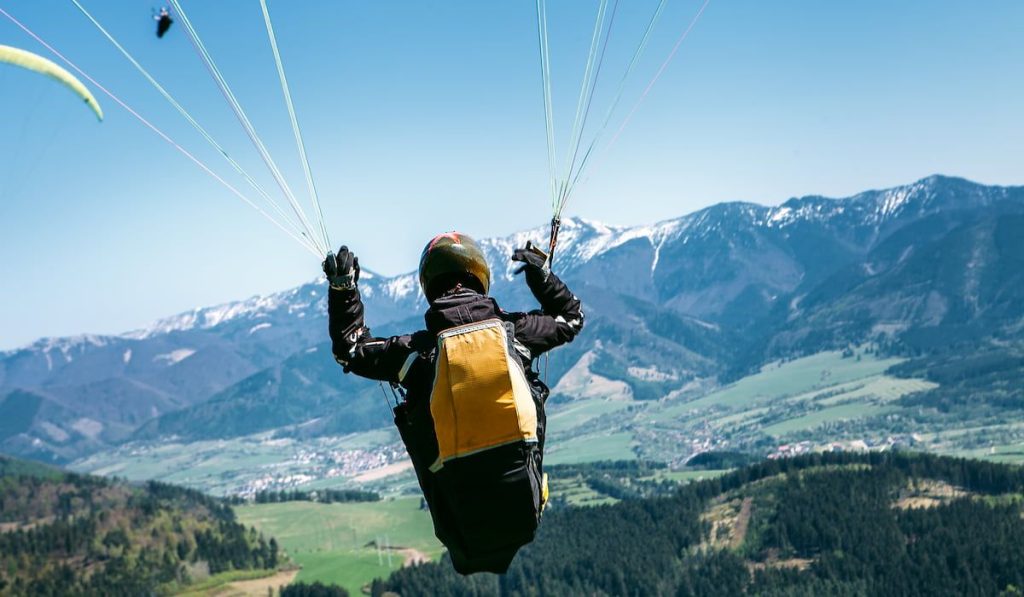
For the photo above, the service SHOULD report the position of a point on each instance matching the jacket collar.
(459, 308)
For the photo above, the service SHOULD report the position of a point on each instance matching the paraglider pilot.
(163, 21)
(473, 416)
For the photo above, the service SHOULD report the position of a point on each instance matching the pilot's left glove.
(342, 270)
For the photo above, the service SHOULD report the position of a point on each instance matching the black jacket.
(358, 351)
(474, 535)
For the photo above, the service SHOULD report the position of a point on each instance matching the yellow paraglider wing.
(46, 67)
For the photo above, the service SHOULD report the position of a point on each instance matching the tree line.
(820, 524)
(83, 535)
(323, 496)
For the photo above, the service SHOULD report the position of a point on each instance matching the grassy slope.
(843, 412)
(783, 399)
(590, 448)
(566, 417)
(814, 373)
(575, 491)
(802, 399)
(11, 467)
(334, 543)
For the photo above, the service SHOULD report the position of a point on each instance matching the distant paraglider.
(36, 63)
(163, 22)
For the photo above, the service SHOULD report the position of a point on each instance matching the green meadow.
(790, 379)
(338, 543)
(591, 448)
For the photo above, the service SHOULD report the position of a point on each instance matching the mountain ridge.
(397, 286)
(719, 290)
(214, 315)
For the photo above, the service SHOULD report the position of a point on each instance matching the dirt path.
(6, 527)
(258, 587)
(384, 471)
(739, 532)
(411, 556)
(774, 562)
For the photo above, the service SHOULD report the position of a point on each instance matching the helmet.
(452, 254)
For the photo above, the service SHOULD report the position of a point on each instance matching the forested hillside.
(67, 534)
(825, 524)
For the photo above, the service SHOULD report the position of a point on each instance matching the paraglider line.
(152, 127)
(13, 185)
(545, 74)
(295, 123)
(247, 126)
(387, 401)
(181, 110)
(618, 98)
(584, 87)
(650, 85)
(236, 107)
(564, 198)
(661, 70)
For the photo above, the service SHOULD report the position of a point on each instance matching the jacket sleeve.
(356, 349)
(559, 319)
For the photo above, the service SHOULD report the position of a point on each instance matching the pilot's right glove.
(342, 270)
(535, 261)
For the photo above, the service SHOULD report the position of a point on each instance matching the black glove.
(533, 259)
(342, 270)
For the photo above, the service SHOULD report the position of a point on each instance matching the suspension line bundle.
(297, 225)
(563, 181)
(308, 230)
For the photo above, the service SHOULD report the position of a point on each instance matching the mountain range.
(927, 270)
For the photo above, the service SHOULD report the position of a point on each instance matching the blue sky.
(421, 117)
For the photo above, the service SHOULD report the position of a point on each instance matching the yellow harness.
(481, 398)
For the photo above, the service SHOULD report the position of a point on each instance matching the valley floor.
(827, 401)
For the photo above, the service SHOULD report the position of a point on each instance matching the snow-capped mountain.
(718, 290)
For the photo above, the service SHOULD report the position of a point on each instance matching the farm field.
(226, 467)
(831, 414)
(575, 491)
(338, 543)
(1012, 453)
(792, 379)
(804, 399)
(565, 417)
(590, 448)
(688, 476)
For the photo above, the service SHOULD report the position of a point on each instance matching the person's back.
(473, 418)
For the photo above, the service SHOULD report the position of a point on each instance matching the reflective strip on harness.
(405, 368)
(481, 398)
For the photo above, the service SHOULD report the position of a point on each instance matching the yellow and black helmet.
(448, 257)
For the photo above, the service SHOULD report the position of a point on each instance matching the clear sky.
(421, 117)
